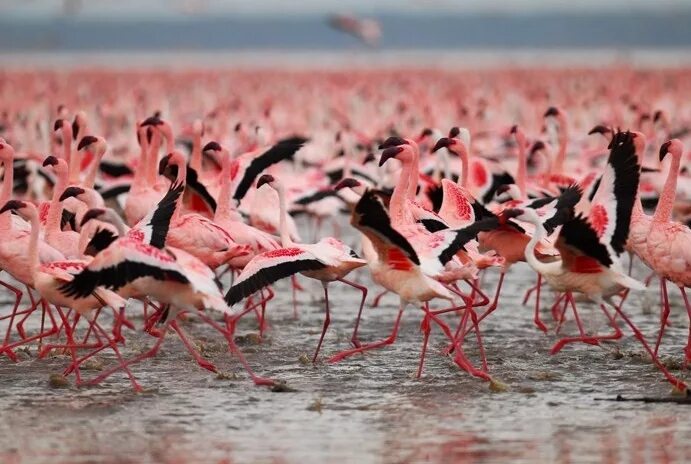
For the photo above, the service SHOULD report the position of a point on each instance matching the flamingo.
(328, 260)
(669, 242)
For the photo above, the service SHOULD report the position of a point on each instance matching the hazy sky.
(173, 8)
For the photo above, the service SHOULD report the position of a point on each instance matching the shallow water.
(367, 408)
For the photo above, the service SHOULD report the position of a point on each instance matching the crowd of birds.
(156, 187)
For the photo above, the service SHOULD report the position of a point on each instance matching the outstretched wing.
(156, 223)
(99, 242)
(121, 265)
(269, 267)
(454, 240)
(284, 149)
(371, 217)
(610, 211)
(563, 209)
(578, 240)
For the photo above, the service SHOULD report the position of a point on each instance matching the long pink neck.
(223, 208)
(558, 166)
(400, 194)
(92, 171)
(663, 212)
(522, 167)
(463, 155)
(33, 241)
(411, 191)
(283, 220)
(196, 158)
(152, 167)
(55, 210)
(6, 193)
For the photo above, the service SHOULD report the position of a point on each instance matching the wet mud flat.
(368, 408)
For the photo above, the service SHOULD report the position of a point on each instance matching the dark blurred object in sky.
(365, 29)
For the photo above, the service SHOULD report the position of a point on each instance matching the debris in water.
(92, 364)
(316, 405)
(304, 359)
(249, 339)
(58, 381)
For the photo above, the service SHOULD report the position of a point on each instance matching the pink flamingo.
(669, 242)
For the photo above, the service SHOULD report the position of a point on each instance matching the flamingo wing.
(284, 149)
(269, 267)
(612, 204)
(371, 217)
(156, 223)
(576, 238)
(100, 241)
(563, 209)
(457, 205)
(121, 265)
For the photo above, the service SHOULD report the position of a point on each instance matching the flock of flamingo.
(157, 186)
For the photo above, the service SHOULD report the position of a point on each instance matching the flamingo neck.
(196, 158)
(223, 208)
(463, 155)
(92, 171)
(538, 235)
(33, 242)
(73, 172)
(414, 175)
(522, 168)
(152, 165)
(283, 219)
(55, 209)
(663, 212)
(558, 166)
(400, 194)
(6, 193)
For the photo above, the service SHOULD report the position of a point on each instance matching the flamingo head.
(78, 122)
(23, 208)
(506, 192)
(391, 152)
(59, 165)
(70, 192)
(454, 144)
(674, 146)
(601, 129)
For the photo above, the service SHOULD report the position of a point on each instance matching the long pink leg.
(354, 339)
(18, 298)
(665, 313)
(70, 343)
(206, 364)
(327, 321)
(495, 301)
(294, 285)
(236, 351)
(478, 336)
(369, 346)
(426, 329)
(561, 318)
(536, 317)
(377, 298)
(124, 364)
(460, 357)
(592, 339)
(687, 349)
(27, 314)
(52, 331)
(637, 333)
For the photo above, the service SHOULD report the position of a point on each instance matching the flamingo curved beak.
(392, 142)
(664, 149)
(390, 152)
(86, 141)
(265, 179)
(12, 205)
(50, 161)
(443, 142)
(71, 192)
(91, 214)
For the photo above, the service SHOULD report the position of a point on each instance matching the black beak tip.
(86, 141)
(91, 214)
(71, 192)
(551, 111)
(212, 146)
(455, 130)
(50, 161)
(514, 129)
(664, 149)
(443, 142)
(163, 164)
(265, 179)
(58, 124)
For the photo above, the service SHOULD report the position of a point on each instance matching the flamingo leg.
(426, 329)
(637, 333)
(294, 285)
(687, 349)
(460, 357)
(665, 313)
(70, 343)
(18, 298)
(327, 321)
(562, 316)
(369, 346)
(536, 317)
(206, 364)
(495, 301)
(354, 339)
(377, 298)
